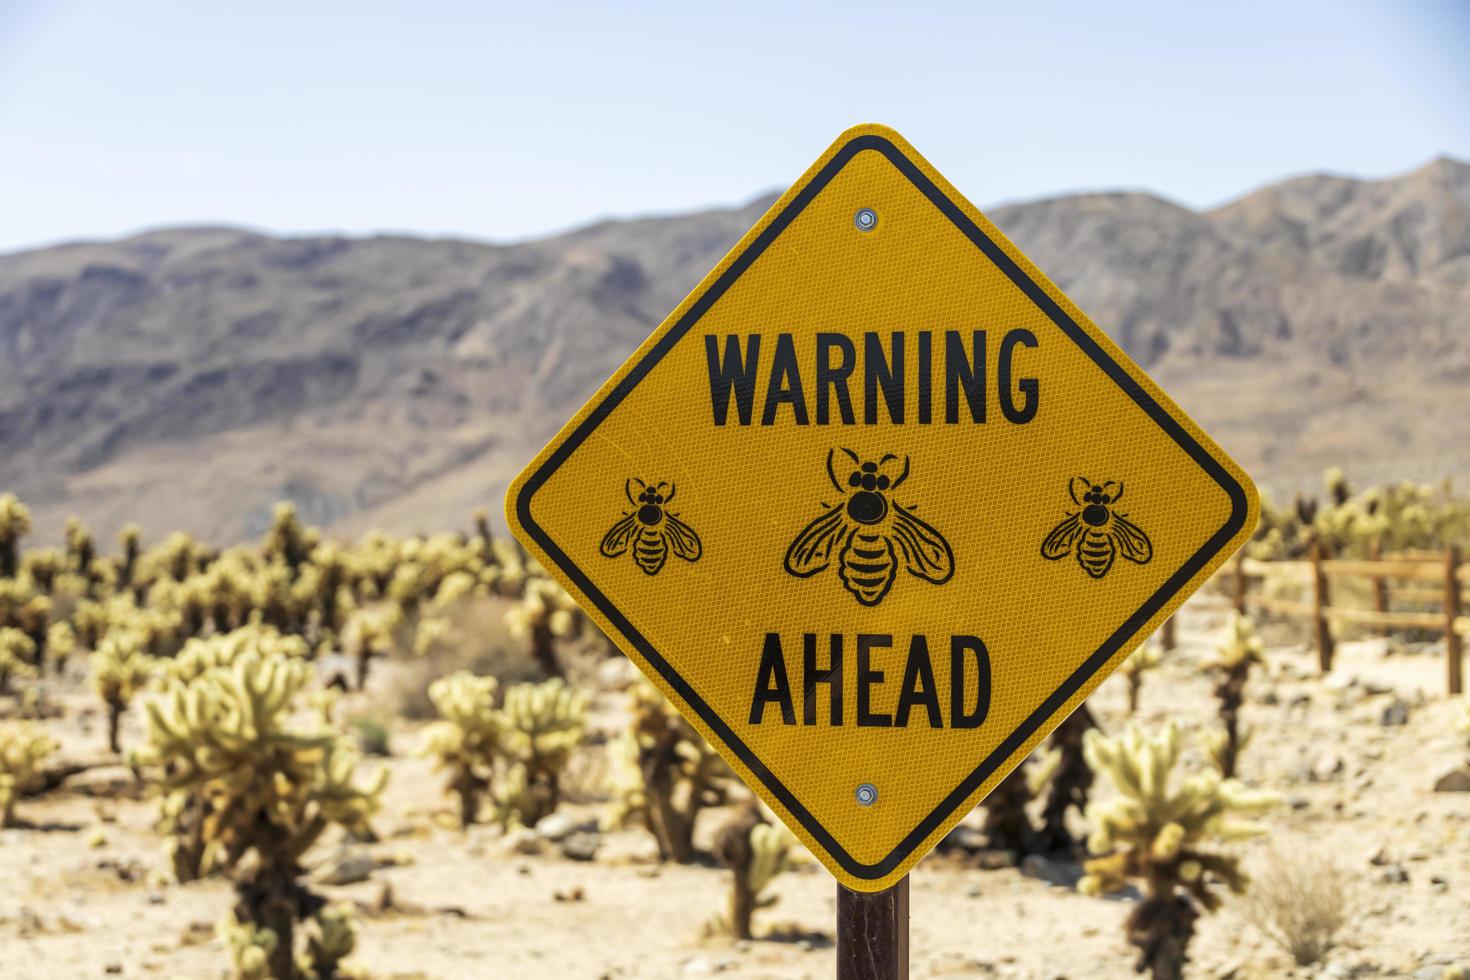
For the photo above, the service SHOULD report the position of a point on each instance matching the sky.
(500, 122)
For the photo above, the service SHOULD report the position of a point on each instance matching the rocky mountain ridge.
(190, 377)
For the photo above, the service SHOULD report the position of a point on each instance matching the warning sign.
(876, 507)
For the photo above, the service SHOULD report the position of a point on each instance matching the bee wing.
(616, 541)
(925, 552)
(812, 550)
(681, 538)
(1059, 542)
(1131, 541)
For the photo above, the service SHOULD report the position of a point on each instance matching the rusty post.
(873, 933)
(1453, 644)
(1321, 601)
(1240, 582)
(1166, 635)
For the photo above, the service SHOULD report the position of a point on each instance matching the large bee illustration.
(1097, 533)
(651, 529)
(870, 534)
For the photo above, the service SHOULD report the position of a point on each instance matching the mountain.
(191, 377)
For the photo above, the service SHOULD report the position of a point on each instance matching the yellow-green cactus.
(663, 773)
(1392, 517)
(120, 669)
(80, 548)
(543, 723)
(466, 741)
(15, 523)
(1162, 831)
(373, 633)
(17, 656)
(251, 947)
(1138, 663)
(287, 540)
(270, 781)
(545, 614)
(756, 852)
(1240, 650)
(331, 938)
(61, 640)
(23, 749)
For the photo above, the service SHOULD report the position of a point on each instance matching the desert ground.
(1354, 756)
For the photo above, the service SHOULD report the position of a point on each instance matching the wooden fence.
(1421, 578)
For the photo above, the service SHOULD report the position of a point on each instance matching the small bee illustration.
(871, 534)
(651, 529)
(1097, 532)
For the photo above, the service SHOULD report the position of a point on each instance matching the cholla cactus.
(270, 786)
(287, 540)
(15, 523)
(543, 723)
(1139, 662)
(61, 640)
(80, 548)
(1007, 826)
(546, 614)
(664, 774)
(512, 561)
(373, 634)
(120, 669)
(17, 656)
(1393, 517)
(130, 538)
(1067, 778)
(1160, 832)
(251, 947)
(756, 852)
(331, 938)
(1240, 650)
(23, 748)
(466, 742)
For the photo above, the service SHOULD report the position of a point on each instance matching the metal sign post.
(873, 933)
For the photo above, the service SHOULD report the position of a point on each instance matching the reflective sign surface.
(877, 507)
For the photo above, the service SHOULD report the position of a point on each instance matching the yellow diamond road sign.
(877, 507)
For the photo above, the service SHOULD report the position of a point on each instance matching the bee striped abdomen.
(868, 566)
(650, 551)
(1096, 552)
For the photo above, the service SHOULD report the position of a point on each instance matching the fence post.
(1166, 635)
(1240, 582)
(1380, 586)
(1321, 601)
(1453, 645)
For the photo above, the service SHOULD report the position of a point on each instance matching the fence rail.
(1446, 569)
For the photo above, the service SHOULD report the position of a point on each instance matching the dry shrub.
(1302, 900)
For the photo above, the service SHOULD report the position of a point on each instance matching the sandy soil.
(79, 895)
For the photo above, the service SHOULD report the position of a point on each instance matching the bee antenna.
(831, 475)
(1072, 488)
(628, 487)
(673, 488)
(1117, 496)
(902, 476)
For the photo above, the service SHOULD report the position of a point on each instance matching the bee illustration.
(651, 529)
(1097, 532)
(871, 535)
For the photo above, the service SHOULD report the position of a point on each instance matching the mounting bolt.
(867, 794)
(866, 219)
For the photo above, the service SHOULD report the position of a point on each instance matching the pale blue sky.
(494, 121)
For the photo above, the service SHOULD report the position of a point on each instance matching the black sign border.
(1239, 503)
